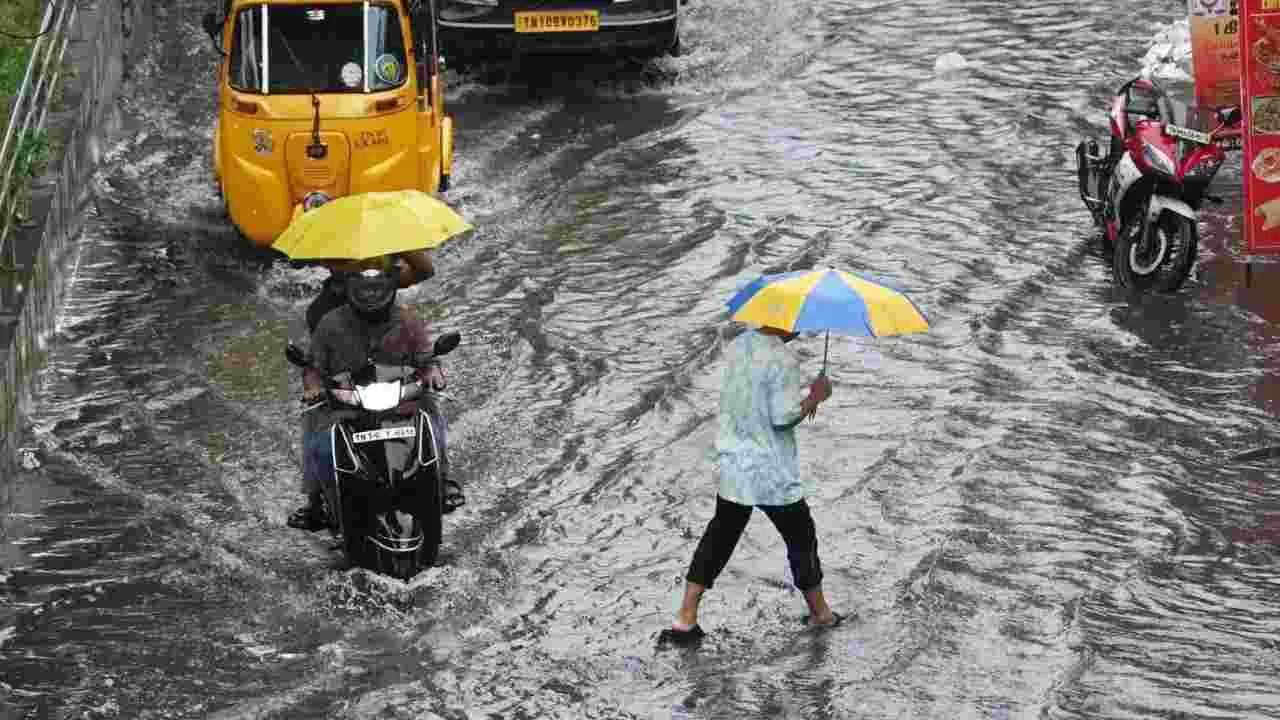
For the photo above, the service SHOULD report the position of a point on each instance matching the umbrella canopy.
(828, 299)
(358, 227)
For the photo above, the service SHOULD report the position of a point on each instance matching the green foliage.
(253, 367)
(17, 17)
(33, 154)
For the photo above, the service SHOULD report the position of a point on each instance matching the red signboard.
(1260, 97)
(1215, 52)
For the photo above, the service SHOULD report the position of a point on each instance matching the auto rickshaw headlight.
(314, 200)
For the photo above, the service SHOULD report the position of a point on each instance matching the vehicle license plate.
(390, 433)
(558, 21)
(1231, 143)
(1188, 134)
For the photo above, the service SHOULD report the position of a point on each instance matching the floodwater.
(1032, 511)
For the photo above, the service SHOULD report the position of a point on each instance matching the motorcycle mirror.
(295, 355)
(1229, 116)
(446, 343)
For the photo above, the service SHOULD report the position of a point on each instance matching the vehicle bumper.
(635, 26)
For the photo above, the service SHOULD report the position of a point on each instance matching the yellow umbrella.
(358, 227)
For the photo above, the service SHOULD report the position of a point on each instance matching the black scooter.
(386, 496)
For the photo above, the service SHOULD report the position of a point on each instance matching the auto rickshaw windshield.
(317, 49)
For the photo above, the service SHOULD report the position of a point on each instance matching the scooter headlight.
(1157, 159)
(380, 396)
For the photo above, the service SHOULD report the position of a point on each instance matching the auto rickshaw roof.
(237, 4)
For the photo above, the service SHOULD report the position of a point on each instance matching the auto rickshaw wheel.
(444, 182)
(222, 195)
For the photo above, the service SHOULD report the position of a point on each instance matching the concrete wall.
(108, 38)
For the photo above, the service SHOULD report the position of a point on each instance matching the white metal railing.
(30, 106)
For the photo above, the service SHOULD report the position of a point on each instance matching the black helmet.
(372, 292)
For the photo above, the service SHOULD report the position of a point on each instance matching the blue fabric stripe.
(833, 305)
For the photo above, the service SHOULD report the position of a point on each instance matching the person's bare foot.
(685, 620)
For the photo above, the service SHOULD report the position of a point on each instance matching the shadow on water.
(551, 75)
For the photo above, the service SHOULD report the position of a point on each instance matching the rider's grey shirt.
(342, 342)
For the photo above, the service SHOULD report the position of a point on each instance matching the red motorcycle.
(1147, 190)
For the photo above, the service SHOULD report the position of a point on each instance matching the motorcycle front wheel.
(1159, 262)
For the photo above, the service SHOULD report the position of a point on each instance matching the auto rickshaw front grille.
(319, 175)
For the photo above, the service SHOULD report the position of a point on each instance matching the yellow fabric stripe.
(778, 304)
(889, 311)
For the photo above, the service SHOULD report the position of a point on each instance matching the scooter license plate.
(391, 433)
(1188, 134)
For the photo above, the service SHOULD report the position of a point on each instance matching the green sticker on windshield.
(388, 69)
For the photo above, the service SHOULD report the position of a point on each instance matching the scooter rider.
(415, 268)
(342, 341)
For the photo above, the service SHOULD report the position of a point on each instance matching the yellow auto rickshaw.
(318, 99)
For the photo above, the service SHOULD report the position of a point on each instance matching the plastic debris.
(950, 61)
(27, 456)
(1170, 55)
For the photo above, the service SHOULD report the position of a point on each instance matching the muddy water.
(1030, 511)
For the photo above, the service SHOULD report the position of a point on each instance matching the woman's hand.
(819, 391)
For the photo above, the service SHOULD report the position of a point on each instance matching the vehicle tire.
(226, 205)
(1108, 247)
(1186, 251)
(406, 565)
(444, 182)
(1163, 263)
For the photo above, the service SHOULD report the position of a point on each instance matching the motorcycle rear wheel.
(1163, 263)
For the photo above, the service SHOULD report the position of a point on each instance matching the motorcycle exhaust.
(1088, 159)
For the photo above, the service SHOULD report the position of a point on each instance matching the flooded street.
(1031, 510)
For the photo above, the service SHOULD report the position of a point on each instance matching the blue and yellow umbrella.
(830, 300)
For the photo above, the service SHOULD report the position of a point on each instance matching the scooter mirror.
(446, 343)
(295, 355)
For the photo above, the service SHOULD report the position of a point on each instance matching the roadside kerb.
(101, 39)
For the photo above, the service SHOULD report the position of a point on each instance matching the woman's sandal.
(681, 637)
(838, 619)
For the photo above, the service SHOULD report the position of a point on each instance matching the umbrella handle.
(823, 372)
